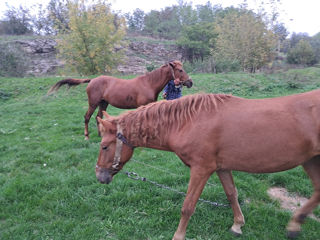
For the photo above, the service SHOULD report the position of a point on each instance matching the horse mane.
(155, 120)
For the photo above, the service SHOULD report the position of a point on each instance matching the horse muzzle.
(188, 83)
(103, 176)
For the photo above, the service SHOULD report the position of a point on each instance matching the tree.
(196, 41)
(92, 44)
(58, 16)
(41, 21)
(207, 12)
(187, 15)
(17, 21)
(281, 33)
(136, 20)
(315, 43)
(296, 37)
(163, 24)
(151, 23)
(302, 53)
(243, 37)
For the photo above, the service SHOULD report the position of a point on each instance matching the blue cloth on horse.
(172, 91)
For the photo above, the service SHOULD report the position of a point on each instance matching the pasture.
(48, 187)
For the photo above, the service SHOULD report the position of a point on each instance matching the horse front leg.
(198, 179)
(312, 168)
(226, 179)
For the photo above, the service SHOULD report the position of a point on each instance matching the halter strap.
(119, 143)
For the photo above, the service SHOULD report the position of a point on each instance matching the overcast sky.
(297, 15)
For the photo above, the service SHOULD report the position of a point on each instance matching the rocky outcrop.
(142, 54)
(42, 59)
(41, 56)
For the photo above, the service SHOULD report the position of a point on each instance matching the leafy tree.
(41, 21)
(302, 53)
(315, 43)
(281, 33)
(91, 45)
(136, 20)
(169, 27)
(187, 15)
(58, 16)
(296, 37)
(244, 37)
(17, 21)
(196, 41)
(163, 24)
(207, 12)
(151, 23)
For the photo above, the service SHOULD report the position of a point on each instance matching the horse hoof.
(236, 234)
(292, 234)
(86, 138)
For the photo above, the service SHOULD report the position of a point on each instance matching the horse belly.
(271, 150)
(121, 99)
(262, 163)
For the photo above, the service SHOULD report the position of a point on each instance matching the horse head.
(179, 74)
(115, 151)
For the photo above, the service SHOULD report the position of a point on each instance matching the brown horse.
(127, 94)
(220, 133)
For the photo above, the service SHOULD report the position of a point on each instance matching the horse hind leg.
(312, 168)
(232, 196)
(87, 117)
(102, 107)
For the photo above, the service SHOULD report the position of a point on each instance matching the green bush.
(302, 54)
(224, 65)
(150, 67)
(12, 61)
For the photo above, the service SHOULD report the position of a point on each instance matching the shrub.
(12, 61)
(302, 53)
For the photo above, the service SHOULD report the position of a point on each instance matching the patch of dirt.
(289, 201)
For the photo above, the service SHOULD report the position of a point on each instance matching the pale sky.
(297, 15)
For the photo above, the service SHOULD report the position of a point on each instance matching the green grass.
(48, 188)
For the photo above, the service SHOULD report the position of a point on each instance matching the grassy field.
(48, 188)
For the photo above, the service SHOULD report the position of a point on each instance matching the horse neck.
(158, 78)
(144, 136)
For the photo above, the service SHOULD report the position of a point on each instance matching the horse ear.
(105, 126)
(172, 64)
(107, 116)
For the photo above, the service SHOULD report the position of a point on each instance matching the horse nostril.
(104, 177)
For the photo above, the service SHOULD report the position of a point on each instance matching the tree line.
(90, 36)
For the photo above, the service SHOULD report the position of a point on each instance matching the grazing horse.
(220, 133)
(126, 94)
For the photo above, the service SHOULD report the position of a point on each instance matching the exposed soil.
(288, 200)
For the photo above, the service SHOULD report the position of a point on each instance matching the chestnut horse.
(220, 133)
(127, 94)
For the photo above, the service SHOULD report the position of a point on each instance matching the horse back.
(120, 93)
(257, 135)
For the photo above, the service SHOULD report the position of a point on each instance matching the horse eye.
(180, 70)
(104, 148)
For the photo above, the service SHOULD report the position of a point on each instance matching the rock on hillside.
(41, 55)
(140, 54)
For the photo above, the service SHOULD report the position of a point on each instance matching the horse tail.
(69, 81)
